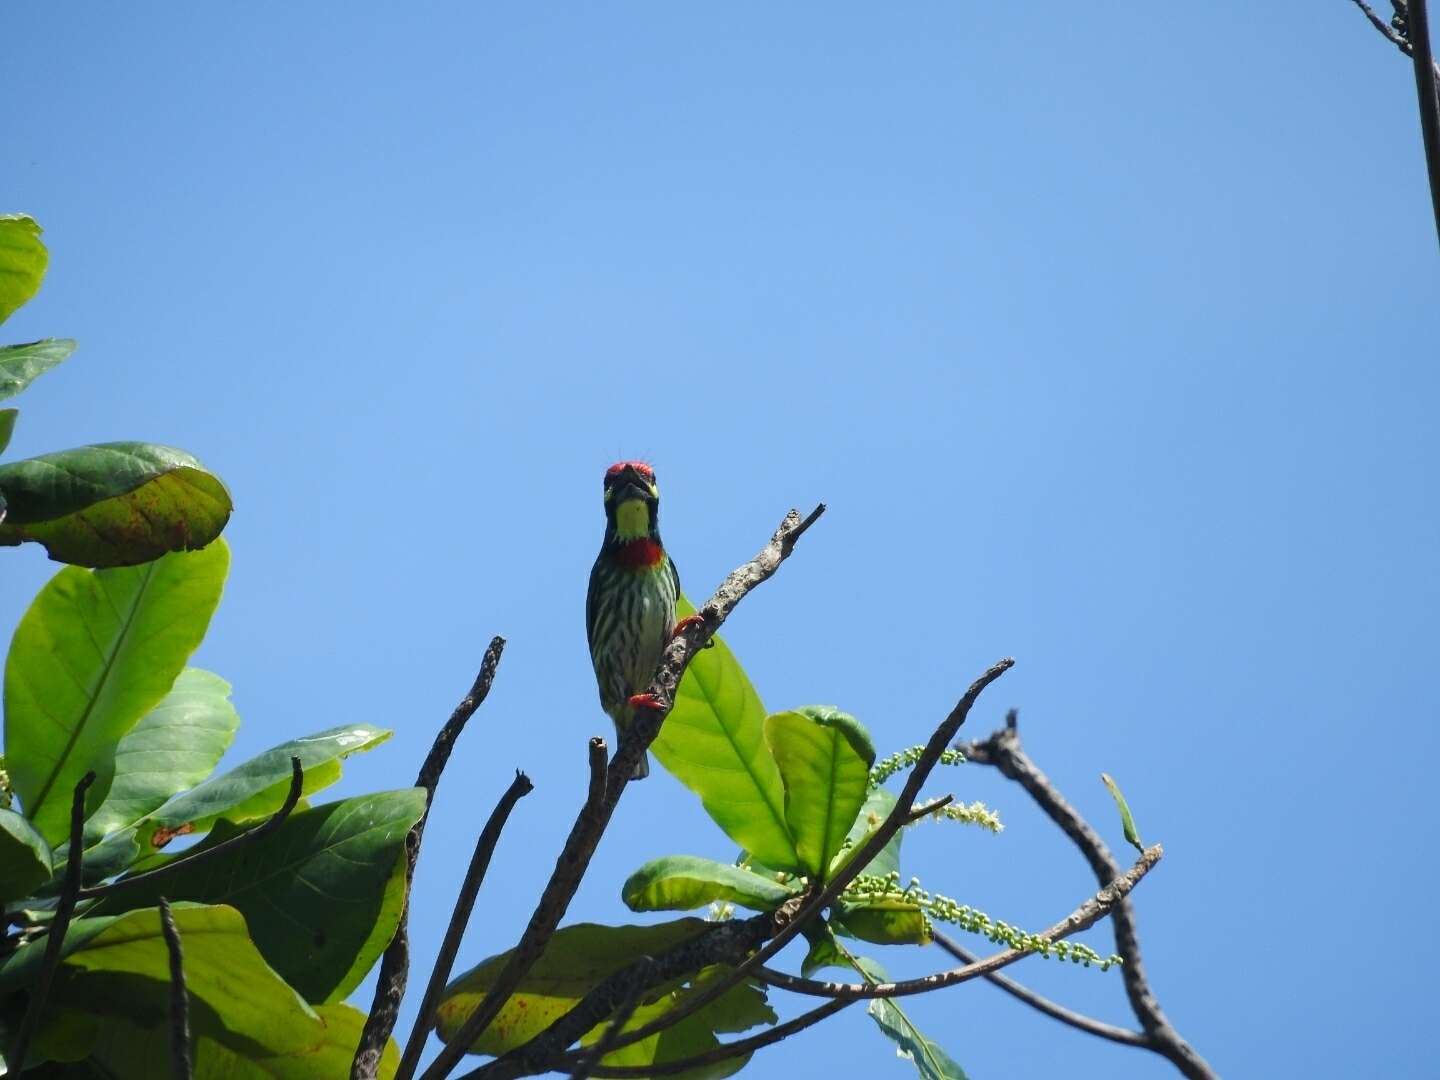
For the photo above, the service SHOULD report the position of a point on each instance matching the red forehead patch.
(639, 466)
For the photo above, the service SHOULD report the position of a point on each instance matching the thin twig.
(198, 855)
(1428, 98)
(1002, 750)
(1043, 1004)
(595, 815)
(179, 997)
(1384, 27)
(69, 893)
(464, 904)
(551, 908)
(591, 1058)
(723, 1052)
(1083, 917)
(395, 964)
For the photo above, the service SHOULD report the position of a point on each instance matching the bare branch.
(64, 908)
(1003, 751)
(1083, 917)
(1428, 98)
(1044, 1004)
(1384, 27)
(464, 904)
(198, 855)
(179, 997)
(595, 815)
(395, 964)
(591, 1058)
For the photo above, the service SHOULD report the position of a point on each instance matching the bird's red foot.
(685, 624)
(645, 701)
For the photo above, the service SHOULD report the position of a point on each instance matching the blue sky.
(1109, 339)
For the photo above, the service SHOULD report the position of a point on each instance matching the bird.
(630, 604)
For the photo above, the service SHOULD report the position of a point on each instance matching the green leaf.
(713, 742)
(118, 1047)
(685, 882)
(884, 922)
(20, 365)
(92, 655)
(1126, 821)
(318, 893)
(175, 745)
(20, 967)
(247, 793)
(7, 428)
(114, 504)
(238, 1001)
(576, 959)
(824, 950)
(930, 1061)
(25, 858)
(23, 259)
(878, 805)
(824, 756)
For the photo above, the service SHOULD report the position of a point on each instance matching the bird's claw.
(685, 624)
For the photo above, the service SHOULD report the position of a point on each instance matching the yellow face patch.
(632, 519)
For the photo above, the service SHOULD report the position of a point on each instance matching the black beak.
(631, 485)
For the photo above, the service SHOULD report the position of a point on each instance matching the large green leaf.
(20, 365)
(25, 857)
(114, 504)
(22, 261)
(686, 882)
(246, 793)
(930, 1061)
(713, 742)
(117, 1046)
(20, 967)
(91, 656)
(238, 1002)
(318, 893)
(878, 805)
(175, 745)
(824, 757)
(7, 428)
(575, 960)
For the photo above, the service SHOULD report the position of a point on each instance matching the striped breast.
(630, 618)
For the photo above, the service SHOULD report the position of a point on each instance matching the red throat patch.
(642, 554)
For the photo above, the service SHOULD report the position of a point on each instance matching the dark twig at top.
(1428, 99)
(1042, 1004)
(595, 815)
(464, 904)
(1409, 32)
(179, 996)
(395, 963)
(69, 892)
(1003, 751)
(198, 855)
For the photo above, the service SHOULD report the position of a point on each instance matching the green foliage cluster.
(276, 930)
(111, 504)
(799, 791)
